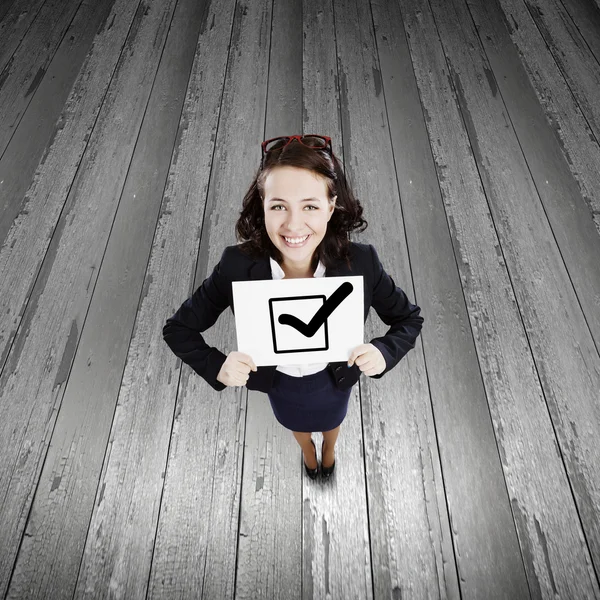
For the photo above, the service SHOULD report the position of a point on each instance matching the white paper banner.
(299, 321)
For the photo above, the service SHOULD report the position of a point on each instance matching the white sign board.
(299, 321)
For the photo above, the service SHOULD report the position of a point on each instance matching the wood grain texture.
(126, 550)
(566, 165)
(586, 18)
(482, 534)
(409, 529)
(579, 66)
(64, 499)
(55, 314)
(29, 63)
(498, 234)
(36, 127)
(469, 471)
(17, 17)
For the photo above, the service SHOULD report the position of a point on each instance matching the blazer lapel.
(260, 269)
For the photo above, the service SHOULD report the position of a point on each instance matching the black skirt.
(309, 403)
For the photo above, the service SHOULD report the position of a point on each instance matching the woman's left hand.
(368, 359)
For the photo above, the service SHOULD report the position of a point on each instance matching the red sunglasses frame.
(294, 137)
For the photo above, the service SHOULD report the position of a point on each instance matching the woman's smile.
(299, 245)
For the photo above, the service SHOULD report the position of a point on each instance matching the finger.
(362, 360)
(354, 356)
(358, 362)
(248, 361)
(356, 352)
(243, 375)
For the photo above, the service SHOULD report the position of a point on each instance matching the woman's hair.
(250, 228)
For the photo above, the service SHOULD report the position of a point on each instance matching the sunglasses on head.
(321, 142)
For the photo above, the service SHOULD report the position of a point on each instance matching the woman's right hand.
(236, 368)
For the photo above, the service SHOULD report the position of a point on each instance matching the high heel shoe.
(326, 471)
(312, 473)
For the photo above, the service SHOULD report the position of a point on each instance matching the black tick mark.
(321, 315)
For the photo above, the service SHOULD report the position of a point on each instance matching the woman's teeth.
(295, 241)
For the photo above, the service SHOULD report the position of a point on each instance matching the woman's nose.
(295, 220)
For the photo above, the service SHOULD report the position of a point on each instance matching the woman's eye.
(281, 206)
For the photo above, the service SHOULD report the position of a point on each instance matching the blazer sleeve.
(182, 331)
(394, 309)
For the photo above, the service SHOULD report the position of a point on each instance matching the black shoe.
(312, 473)
(326, 471)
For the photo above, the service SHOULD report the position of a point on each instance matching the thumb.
(356, 352)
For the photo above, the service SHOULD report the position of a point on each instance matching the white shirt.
(298, 370)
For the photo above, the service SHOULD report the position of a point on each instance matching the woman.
(294, 223)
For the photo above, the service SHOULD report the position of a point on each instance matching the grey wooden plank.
(586, 18)
(526, 320)
(194, 553)
(274, 507)
(28, 239)
(36, 129)
(64, 498)
(576, 142)
(432, 272)
(29, 63)
(470, 479)
(564, 161)
(53, 317)
(15, 23)
(4, 8)
(408, 526)
(572, 54)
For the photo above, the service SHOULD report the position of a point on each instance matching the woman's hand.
(235, 371)
(368, 359)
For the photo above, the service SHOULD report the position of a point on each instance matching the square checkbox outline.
(272, 318)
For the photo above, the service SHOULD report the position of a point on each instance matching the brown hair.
(347, 215)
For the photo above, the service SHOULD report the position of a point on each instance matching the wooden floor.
(129, 132)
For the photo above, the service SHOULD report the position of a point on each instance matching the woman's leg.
(330, 438)
(309, 451)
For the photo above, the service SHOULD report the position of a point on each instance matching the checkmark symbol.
(309, 329)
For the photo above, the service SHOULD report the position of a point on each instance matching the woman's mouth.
(298, 245)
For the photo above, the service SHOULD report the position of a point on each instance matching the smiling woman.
(298, 212)
(294, 223)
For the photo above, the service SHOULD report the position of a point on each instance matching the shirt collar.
(278, 273)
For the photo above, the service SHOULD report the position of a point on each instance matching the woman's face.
(296, 206)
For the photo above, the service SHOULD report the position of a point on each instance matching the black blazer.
(199, 312)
